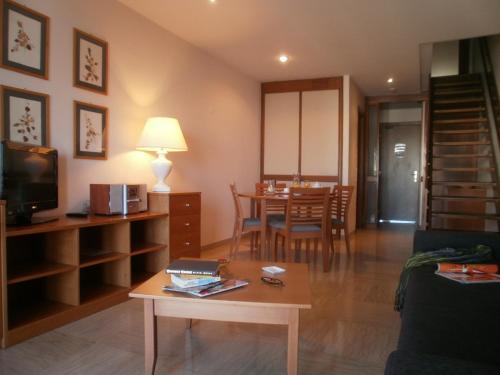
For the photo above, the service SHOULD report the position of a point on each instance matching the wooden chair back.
(271, 208)
(341, 201)
(308, 206)
(237, 202)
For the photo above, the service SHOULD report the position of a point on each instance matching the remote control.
(77, 214)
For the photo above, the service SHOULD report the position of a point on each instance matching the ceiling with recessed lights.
(368, 39)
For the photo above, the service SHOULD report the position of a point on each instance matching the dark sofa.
(448, 328)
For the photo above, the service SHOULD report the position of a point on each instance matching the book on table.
(201, 267)
(186, 281)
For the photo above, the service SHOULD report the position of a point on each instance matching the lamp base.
(161, 168)
(162, 188)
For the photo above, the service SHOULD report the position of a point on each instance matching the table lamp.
(162, 135)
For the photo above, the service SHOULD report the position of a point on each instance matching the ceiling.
(368, 39)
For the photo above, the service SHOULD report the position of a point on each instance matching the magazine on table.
(469, 273)
(210, 289)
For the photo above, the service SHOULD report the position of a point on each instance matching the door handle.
(415, 176)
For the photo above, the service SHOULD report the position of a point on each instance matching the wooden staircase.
(462, 183)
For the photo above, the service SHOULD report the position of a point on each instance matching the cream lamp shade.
(162, 135)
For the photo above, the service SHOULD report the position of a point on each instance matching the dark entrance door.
(399, 172)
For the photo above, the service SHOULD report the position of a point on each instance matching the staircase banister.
(491, 99)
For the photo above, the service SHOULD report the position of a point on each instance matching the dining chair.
(242, 225)
(341, 201)
(275, 211)
(307, 217)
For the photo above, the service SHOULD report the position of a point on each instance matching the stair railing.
(492, 102)
(428, 174)
(492, 109)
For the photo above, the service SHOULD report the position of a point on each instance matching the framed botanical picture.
(90, 69)
(91, 131)
(25, 117)
(24, 38)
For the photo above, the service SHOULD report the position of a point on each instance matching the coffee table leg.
(150, 337)
(293, 341)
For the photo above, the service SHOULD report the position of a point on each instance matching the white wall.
(401, 112)
(494, 46)
(444, 59)
(152, 73)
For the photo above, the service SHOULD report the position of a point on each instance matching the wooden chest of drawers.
(184, 221)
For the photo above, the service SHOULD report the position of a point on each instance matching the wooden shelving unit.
(54, 273)
(61, 271)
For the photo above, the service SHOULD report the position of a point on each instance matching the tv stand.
(59, 271)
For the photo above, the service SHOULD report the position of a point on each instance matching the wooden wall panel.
(320, 132)
(281, 133)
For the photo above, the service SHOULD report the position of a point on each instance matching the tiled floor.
(350, 330)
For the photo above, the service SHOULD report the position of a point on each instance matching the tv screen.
(28, 180)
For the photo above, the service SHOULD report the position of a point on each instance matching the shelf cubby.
(148, 236)
(102, 244)
(36, 299)
(144, 266)
(104, 279)
(40, 255)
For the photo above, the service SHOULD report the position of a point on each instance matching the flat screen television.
(28, 181)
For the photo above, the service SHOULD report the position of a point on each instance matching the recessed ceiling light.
(212, 1)
(283, 58)
(390, 80)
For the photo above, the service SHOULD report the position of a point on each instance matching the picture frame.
(24, 40)
(90, 131)
(90, 62)
(25, 116)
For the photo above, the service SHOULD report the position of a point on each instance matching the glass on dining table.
(271, 184)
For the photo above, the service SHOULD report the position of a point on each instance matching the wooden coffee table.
(257, 302)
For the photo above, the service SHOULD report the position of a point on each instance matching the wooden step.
(463, 169)
(462, 121)
(455, 91)
(465, 215)
(464, 156)
(464, 198)
(461, 131)
(465, 184)
(456, 77)
(458, 101)
(455, 84)
(459, 110)
(462, 143)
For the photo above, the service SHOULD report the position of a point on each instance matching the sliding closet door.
(320, 133)
(281, 133)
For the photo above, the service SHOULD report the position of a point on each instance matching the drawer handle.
(187, 224)
(187, 243)
(188, 204)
